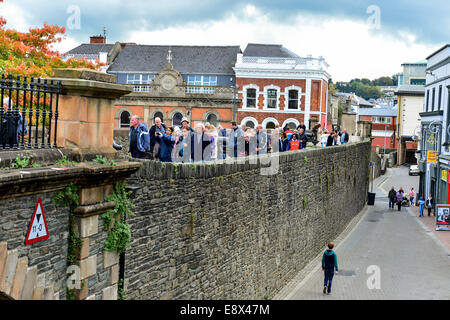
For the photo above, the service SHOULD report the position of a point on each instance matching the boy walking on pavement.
(329, 264)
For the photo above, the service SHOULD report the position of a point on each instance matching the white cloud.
(351, 48)
(16, 18)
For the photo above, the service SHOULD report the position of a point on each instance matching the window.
(293, 99)
(158, 115)
(124, 121)
(427, 100)
(381, 119)
(212, 119)
(176, 119)
(250, 124)
(198, 80)
(417, 81)
(251, 98)
(439, 98)
(272, 99)
(432, 99)
(139, 79)
(270, 125)
(292, 125)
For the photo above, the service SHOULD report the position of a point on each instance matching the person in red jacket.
(295, 143)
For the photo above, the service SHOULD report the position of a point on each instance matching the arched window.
(250, 124)
(176, 119)
(212, 119)
(124, 120)
(292, 125)
(270, 125)
(158, 115)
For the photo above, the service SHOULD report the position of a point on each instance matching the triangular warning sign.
(38, 230)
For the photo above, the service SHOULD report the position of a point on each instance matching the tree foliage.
(30, 53)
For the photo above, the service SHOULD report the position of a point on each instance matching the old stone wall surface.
(47, 260)
(225, 231)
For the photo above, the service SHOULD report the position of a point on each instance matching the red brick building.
(277, 87)
(384, 124)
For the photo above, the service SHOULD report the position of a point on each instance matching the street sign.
(371, 163)
(38, 229)
(444, 174)
(431, 157)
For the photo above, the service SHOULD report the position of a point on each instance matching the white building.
(435, 121)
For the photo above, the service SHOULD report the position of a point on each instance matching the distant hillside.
(366, 88)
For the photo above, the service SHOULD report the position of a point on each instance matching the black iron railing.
(28, 112)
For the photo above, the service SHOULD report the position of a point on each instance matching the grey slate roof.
(410, 88)
(378, 112)
(185, 59)
(268, 50)
(91, 48)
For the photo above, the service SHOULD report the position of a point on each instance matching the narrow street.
(412, 262)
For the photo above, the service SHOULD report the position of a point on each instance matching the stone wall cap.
(85, 74)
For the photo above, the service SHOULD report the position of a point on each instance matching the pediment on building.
(169, 81)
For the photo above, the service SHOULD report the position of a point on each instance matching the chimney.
(98, 39)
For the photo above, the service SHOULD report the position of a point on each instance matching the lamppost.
(434, 128)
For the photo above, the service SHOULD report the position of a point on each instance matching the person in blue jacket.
(329, 264)
(139, 138)
(166, 142)
(283, 142)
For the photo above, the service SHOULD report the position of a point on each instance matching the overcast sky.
(358, 38)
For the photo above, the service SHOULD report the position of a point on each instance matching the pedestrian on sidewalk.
(421, 205)
(392, 194)
(329, 264)
(412, 194)
(399, 198)
(429, 204)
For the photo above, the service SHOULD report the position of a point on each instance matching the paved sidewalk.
(412, 263)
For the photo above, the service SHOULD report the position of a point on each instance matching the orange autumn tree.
(29, 53)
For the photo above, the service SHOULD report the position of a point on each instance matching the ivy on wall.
(120, 234)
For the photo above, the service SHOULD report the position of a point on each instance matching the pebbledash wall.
(225, 231)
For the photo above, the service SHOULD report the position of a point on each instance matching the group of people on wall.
(205, 142)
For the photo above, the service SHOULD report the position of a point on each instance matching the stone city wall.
(225, 231)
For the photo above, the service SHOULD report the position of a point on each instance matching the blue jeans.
(328, 279)
(391, 202)
(421, 210)
(412, 201)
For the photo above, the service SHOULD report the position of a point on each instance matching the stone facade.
(224, 231)
(47, 258)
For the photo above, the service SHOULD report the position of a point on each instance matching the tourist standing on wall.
(301, 126)
(344, 137)
(166, 142)
(154, 144)
(335, 138)
(302, 138)
(185, 125)
(261, 140)
(324, 138)
(185, 146)
(199, 144)
(330, 139)
(213, 146)
(236, 140)
(221, 143)
(139, 139)
(295, 143)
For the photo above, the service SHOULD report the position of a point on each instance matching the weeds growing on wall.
(120, 234)
(69, 198)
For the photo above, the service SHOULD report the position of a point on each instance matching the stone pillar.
(99, 269)
(86, 111)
